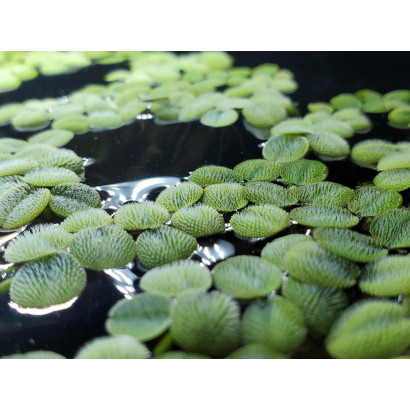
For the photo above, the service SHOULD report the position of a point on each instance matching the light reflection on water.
(42, 311)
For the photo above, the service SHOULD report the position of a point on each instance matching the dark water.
(144, 149)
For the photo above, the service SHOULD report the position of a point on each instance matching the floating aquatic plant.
(173, 279)
(330, 216)
(256, 351)
(320, 305)
(213, 174)
(180, 355)
(274, 252)
(144, 317)
(389, 276)
(259, 221)
(8, 111)
(334, 126)
(206, 323)
(103, 248)
(219, 118)
(354, 117)
(141, 216)
(39, 241)
(69, 198)
(247, 277)
(309, 263)
(34, 152)
(345, 100)
(349, 244)
(292, 126)
(16, 166)
(392, 228)
(113, 347)
(275, 322)
(264, 114)
(227, 197)
(320, 107)
(27, 119)
(156, 247)
(9, 145)
(324, 193)
(267, 193)
(62, 158)
(89, 218)
(328, 144)
(369, 330)
(257, 170)
(369, 152)
(21, 204)
(179, 196)
(303, 172)
(285, 148)
(371, 201)
(75, 123)
(48, 281)
(393, 180)
(394, 160)
(66, 110)
(104, 120)
(399, 117)
(199, 220)
(195, 109)
(56, 138)
(50, 176)
(36, 354)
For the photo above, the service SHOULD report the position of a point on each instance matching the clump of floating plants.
(329, 264)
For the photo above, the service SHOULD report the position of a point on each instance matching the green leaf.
(320, 305)
(206, 323)
(257, 170)
(323, 193)
(75, 123)
(219, 118)
(338, 127)
(113, 347)
(275, 251)
(256, 351)
(69, 198)
(320, 107)
(30, 120)
(141, 216)
(389, 276)
(345, 101)
(48, 281)
(199, 220)
(179, 196)
(264, 114)
(174, 279)
(62, 158)
(89, 218)
(370, 330)
(103, 248)
(36, 354)
(392, 228)
(213, 174)
(66, 110)
(284, 148)
(369, 152)
(259, 221)
(225, 197)
(275, 322)
(9, 145)
(56, 138)
(309, 263)
(371, 201)
(50, 176)
(328, 144)
(247, 277)
(399, 117)
(8, 111)
(267, 193)
(393, 180)
(180, 355)
(39, 241)
(16, 166)
(349, 244)
(163, 245)
(144, 317)
(330, 216)
(394, 160)
(196, 109)
(292, 127)
(303, 172)
(104, 120)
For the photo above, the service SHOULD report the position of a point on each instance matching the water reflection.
(123, 280)
(214, 251)
(42, 311)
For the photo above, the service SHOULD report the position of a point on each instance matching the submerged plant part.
(330, 216)
(392, 228)
(309, 263)
(156, 247)
(48, 281)
(389, 276)
(370, 330)
(179, 196)
(174, 279)
(103, 248)
(41, 240)
(227, 197)
(89, 218)
(320, 305)
(275, 251)
(141, 216)
(144, 317)
(114, 347)
(349, 244)
(198, 221)
(275, 322)
(259, 221)
(213, 174)
(206, 323)
(247, 277)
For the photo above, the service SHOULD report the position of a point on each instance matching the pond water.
(154, 156)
